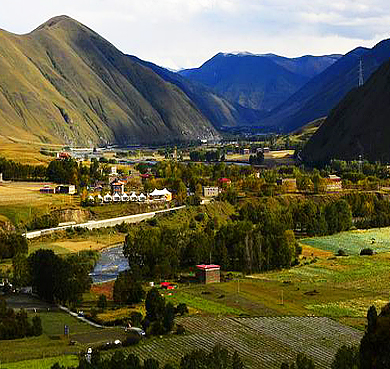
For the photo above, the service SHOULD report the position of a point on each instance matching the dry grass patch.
(308, 251)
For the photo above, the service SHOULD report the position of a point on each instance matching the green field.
(261, 342)
(352, 242)
(52, 342)
(67, 360)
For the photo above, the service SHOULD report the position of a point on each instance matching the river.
(111, 263)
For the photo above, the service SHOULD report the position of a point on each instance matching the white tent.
(125, 197)
(107, 198)
(116, 197)
(141, 197)
(133, 197)
(158, 193)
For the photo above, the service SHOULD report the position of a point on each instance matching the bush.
(102, 302)
(180, 329)
(366, 251)
(199, 217)
(131, 339)
(181, 309)
(341, 252)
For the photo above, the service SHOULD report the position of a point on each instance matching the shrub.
(341, 252)
(180, 329)
(131, 339)
(181, 309)
(367, 251)
(102, 302)
(199, 217)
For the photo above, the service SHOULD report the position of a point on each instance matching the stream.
(111, 263)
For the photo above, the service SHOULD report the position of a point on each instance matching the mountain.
(259, 82)
(324, 91)
(359, 125)
(63, 83)
(219, 111)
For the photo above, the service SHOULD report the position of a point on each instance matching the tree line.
(22, 172)
(17, 325)
(218, 358)
(12, 244)
(241, 244)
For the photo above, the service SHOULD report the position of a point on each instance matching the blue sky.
(185, 33)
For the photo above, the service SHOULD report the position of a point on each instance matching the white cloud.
(184, 33)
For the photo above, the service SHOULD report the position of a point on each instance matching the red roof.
(146, 175)
(208, 266)
(225, 180)
(165, 284)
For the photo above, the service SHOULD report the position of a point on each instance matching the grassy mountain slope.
(64, 83)
(219, 111)
(257, 81)
(359, 125)
(324, 91)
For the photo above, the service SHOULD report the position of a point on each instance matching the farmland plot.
(352, 242)
(263, 342)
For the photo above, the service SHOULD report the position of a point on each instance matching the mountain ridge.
(62, 82)
(324, 91)
(357, 126)
(259, 82)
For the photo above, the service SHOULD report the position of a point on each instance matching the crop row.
(261, 342)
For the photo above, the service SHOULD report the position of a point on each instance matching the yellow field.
(94, 242)
(279, 154)
(25, 193)
(24, 152)
(308, 251)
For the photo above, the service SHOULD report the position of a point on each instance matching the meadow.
(352, 242)
(53, 343)
(21, 201)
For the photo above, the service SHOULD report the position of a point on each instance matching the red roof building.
(225, 181)
(208, 273)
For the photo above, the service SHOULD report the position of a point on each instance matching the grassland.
(90, 241)
(21, 201)
(24, 152)
(352, 242)
(53, 343)
(46, 363)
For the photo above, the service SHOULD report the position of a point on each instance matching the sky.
(185, 33)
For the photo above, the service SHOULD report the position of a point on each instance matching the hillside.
(219, 111)
(259, 82)
(359, 125)
(63, 83)
(324, 91)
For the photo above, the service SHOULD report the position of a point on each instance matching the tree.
(36, 326)
(375, 344)
(154, 304)
(347, 357)
(302, 362)
(127, 290)
(169, 317)
(151, 364)
(102, 302)
(237, 363)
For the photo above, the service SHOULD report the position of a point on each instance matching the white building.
(141, 198)
(107, 198)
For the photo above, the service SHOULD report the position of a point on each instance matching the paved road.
(136, 218)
